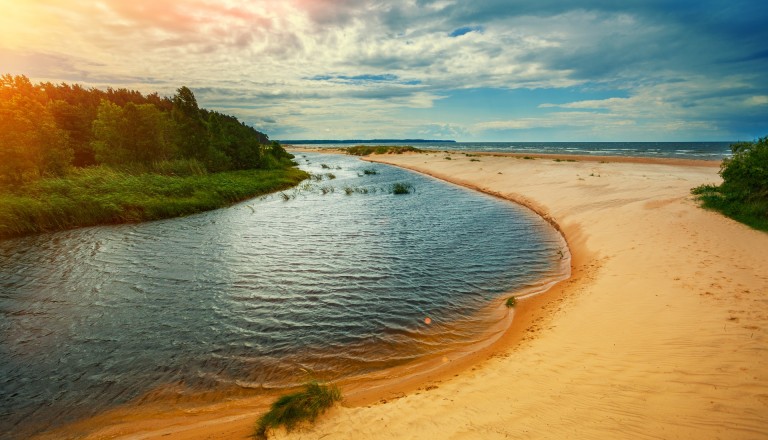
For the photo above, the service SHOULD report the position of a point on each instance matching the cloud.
(347, 65)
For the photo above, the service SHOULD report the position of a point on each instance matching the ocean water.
(333, 279)
(680, 150)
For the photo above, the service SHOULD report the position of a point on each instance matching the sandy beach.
(661, 331)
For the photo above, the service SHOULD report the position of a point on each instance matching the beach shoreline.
(537, 318)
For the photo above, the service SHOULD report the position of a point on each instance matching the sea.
(714, 151)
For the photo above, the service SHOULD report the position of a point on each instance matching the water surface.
(257, 295)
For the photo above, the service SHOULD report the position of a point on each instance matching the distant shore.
(660, 331)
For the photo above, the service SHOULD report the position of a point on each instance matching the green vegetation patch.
(103, 195)
(401, 188)
(365, 150)
(743, 195)
(292, 409)
(511, 302)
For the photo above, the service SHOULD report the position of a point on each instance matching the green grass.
(102, 195)
(752, 212)
(292, 409)
(365, 150)
(511, 302)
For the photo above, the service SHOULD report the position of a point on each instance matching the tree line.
(47, 129)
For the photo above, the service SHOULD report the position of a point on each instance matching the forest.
(74, 156)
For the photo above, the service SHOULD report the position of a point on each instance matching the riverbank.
(103, 195)
(660, 332)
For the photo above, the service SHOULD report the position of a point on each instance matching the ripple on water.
(256, 295)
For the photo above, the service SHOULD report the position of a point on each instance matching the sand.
(661, 332)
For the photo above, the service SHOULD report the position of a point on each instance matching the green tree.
(193, 134)
(132, 134)
(31, 145)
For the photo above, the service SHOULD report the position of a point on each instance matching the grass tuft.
(511, 302)
(401, 188)
(304, 406)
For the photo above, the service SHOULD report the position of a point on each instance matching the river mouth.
(332, 280)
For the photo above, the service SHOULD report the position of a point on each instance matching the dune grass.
(103, 195)
(293, 409)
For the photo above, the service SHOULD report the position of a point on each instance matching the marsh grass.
(102, 195)
(301, 407)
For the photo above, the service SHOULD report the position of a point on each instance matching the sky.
(486, 70)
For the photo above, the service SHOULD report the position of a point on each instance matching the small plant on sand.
(303, 406)
(401, 188)
(330, 176)
(370, 172)
(448, 158)
(325, 166)
(511, 302)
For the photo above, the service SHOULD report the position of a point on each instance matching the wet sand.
(660, 332)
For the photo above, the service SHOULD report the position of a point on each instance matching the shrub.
(303, 406)
(511, 302)
(743, 195)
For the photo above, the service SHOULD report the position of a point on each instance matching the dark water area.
(332, 279)
(678, 150)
